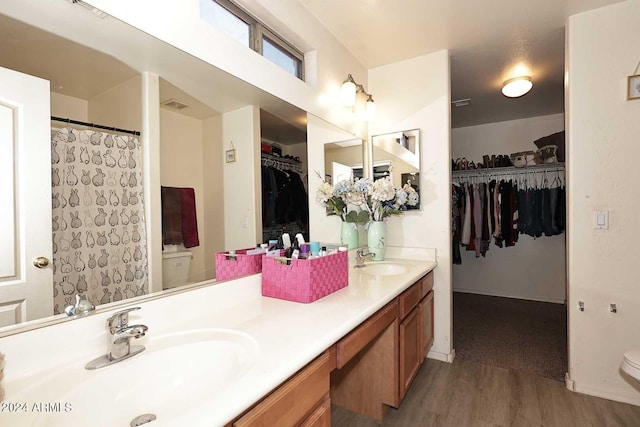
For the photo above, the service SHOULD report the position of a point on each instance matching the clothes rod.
(93, 125)
(511, 170)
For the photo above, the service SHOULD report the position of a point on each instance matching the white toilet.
(631, 364)
(175, 268)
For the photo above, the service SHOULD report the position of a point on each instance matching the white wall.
(603, 152)
(243, 198)
(425, 106)
(534, 268)
(329, 60)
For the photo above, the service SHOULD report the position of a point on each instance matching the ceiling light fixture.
(517, 86)
(354, 95)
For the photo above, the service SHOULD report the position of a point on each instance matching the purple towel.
(189, 220)
(179, 222)
(171, 216)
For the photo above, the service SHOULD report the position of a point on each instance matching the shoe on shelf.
(465, 164)
(472, 165)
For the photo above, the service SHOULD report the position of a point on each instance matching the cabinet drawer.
(426, 283)
(409, 299)
(297, 397)
(357, 339)
(320, 417)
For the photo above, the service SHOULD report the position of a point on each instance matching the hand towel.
(171, 215)
(188, 217)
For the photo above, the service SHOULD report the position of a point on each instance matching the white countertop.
(289, 336)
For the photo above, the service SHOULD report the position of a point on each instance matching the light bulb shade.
(517, 86)
(348, 92)
(370, 113)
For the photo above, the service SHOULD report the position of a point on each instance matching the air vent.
(176, 105)
(461, 102)
(94, 10)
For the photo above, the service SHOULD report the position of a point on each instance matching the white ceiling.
(486, 39)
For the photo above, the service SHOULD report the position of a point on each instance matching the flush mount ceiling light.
(517, 86)
(354, 95)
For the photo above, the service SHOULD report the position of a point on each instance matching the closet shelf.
(511, 170)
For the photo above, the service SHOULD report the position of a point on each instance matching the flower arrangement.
(384, 200)
(338, 200)
(377, 200)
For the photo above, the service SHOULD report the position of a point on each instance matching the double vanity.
(225, 355)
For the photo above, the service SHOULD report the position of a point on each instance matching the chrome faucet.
(361, 257)
(120, 335)
(82, 307)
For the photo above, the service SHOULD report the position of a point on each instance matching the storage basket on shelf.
(304, 280)
(238, 264)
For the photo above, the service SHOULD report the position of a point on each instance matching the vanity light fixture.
(348, 92)
(517, 86)
(354, 95)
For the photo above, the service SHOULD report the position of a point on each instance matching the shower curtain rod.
(93, 125)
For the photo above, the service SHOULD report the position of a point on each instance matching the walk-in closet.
(508, 245)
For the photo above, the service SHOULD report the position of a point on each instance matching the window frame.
(258, 31)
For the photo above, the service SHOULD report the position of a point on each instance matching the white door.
(26, 292)
(340, 172)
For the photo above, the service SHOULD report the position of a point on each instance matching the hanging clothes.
(503, 209)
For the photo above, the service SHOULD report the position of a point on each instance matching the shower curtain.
(99, 236)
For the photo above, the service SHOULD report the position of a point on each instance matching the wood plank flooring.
(470, 394)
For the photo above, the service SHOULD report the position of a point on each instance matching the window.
(246, 29)
(226, 21)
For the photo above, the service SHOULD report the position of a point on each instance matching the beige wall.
(181, 165)
(534, 268)
(68, 107)
(120, 106)
(603, 152)
(213, 190)
(425, 107)
(243, 199)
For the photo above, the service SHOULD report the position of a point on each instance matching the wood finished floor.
(470, 394)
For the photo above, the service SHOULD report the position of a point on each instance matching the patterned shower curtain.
(99, 237)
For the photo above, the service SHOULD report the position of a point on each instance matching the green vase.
(349, 235)
(377, 239)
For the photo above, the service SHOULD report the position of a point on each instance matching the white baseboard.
(500, 294)
(630, 398)
(443, 357)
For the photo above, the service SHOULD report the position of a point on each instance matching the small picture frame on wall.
(230, 155)
(633, 87)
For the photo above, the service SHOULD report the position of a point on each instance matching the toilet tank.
(175, 268)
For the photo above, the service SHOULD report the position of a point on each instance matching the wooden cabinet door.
(292, 402)
(411, 349)
(426, 315)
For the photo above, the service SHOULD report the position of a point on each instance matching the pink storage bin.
(243, 265)
(304, 280)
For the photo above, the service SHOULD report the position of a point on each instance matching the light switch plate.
(601, 220)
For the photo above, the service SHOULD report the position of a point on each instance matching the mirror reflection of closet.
(284, 175)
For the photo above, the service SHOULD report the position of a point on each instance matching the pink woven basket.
(304, 280)
(230, 267)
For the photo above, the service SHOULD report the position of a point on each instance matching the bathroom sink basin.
(176, 372)
(385, 268)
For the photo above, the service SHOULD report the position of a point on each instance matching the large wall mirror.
(343, 160)
(397, 155)
(106, 260)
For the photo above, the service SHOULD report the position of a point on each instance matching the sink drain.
(142, 419)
